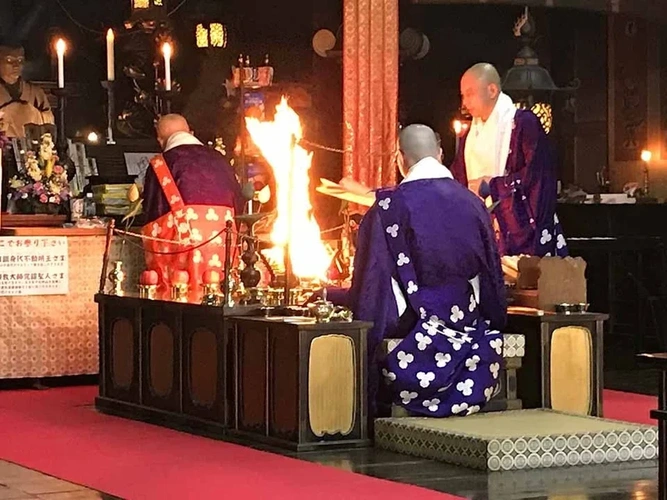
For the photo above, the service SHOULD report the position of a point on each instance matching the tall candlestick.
(60, 51)
(166, 50)
(111, 65)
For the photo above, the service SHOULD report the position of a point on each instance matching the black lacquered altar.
(216, 370)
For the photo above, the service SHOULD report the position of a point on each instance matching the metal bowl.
(565, 308)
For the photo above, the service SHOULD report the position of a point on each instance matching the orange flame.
(278, 141)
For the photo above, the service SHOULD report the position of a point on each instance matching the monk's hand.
(349, 184)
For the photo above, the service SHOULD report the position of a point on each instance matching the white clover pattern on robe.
(497, 345)
(384, 204)
(422, 313)
(215, 238)
(228, 215)
(412, 287)
(215, 261)
(560, 241)
(431, 404)
(494, 368)
(442, 359)
(473, 409)
(212, 215)
(196, 235)
(546, 237)
(407, 396)
(556, 219)
(166, 181)
(431, 326)
(422, 341)
(456, 409)
(425, 378)
(183, 227)
(548, 254)
(473, 304)
(465, 386)
(174, 199)
(197, 258)
(404, 359)
(389, 377)
(155, 229)
(475, 346)
(488, 393)
(392, 231)
(457, 314)
(471, 363)
(170, 221)
(190, 214)
(402, 260)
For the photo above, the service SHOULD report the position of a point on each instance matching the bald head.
(169, 125)
(417, 142)
(480, 88)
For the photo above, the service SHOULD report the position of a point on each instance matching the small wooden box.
(299, 384)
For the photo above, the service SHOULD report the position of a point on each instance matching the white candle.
(60, 50)
(111, 67)
(166, 50)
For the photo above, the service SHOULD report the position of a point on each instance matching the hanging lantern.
(211, 35)
(529, 84)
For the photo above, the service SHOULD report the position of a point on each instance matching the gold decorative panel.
(331, 385)
(571, 370)
(161, 349)
(203, 367)
(122, 353)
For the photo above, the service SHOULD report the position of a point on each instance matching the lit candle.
(166, 50)
(60, 51)
(111, 67)
(646, 158)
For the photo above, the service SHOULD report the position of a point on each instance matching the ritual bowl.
(571, 308)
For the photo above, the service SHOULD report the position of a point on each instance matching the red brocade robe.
(189, 194)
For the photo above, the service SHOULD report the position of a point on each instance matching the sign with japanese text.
(33, 266)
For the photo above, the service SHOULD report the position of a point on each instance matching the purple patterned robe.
(527, 192)
(432, 237)
(202, 175)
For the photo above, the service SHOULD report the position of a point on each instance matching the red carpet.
(58, 433)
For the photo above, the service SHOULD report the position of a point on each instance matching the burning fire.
(278, 140)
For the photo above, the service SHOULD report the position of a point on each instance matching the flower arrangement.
(42, 187)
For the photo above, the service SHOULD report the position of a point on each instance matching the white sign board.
(33, 266)
(137, 164)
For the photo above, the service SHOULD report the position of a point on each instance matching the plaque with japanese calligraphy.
(33, 266)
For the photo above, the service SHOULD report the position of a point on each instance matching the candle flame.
(61, 46)
(646, 155)
(166, 50)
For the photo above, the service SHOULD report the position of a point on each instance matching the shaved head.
(480, 88)
(415, 143)
(170, 124)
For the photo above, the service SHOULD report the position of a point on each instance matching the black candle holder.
(61, 143)
(109, 86)
(166, 98)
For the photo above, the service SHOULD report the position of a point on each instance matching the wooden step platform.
(518, 440)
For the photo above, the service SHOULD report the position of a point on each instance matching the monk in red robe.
(190, 191)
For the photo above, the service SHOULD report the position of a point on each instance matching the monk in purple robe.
(189, 193)
(427, 271)
(506, 157)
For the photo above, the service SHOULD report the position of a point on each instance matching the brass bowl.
(566, 308)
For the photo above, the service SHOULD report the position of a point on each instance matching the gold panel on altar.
(571, 370)
(331, 385)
